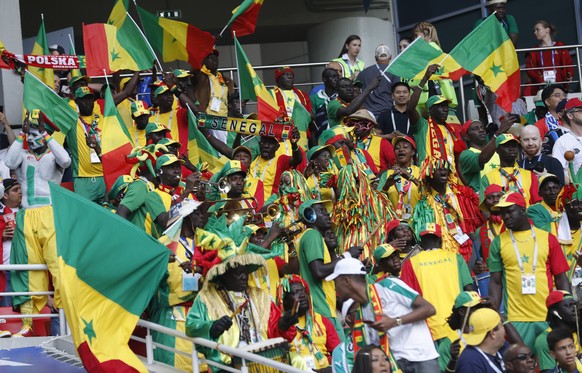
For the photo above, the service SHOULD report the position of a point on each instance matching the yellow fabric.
(531, 307)
(273, 279)
(489, 166)
(41, 245)
(318, 335)
(410, 198)
(86, 168)
(102, 315)
(124, 109)
(149, 220)
(324, 193)
(170, 120)
(449, 242)
(372, 145)
(442, 297)
(494, 177)
(220, 91)
(570, 250)
(177, 295)
(265, 170)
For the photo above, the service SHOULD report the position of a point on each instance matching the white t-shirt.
(412, 342)
(568, 141)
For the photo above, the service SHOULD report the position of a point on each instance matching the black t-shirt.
(551, 164)
(386, 122)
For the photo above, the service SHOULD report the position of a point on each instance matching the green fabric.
(469, 164)
(134, 198)
(92, 246)
(394, 286)
(154, 206)
(542, 351)
(530, 117)
(198, 325)
(19, 255)
(310, 248)
(317, 102)
(332, 109)
(529, 331)
(342, 358)
(510, 27)
(38, 95)
(243, 7)
(464, 274)
(164, 317)
(414, 59)
(540, 216)
(92, 188)
(444, 350)
(420, 129)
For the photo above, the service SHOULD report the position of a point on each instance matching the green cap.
(505, 138)
(312, 151)
(138, 108)
(79, 77)
(384, 251)
(169, 142)
(309, 203)
(82, 92)
(155, 127)
(166, 160)
(161, 89)
(468, 299)
(232, 167)
(119, 186)
(436, 99)
(179, 73)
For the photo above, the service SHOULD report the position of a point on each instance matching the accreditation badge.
(528, 284)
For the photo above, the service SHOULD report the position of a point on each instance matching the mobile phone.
(2, 108)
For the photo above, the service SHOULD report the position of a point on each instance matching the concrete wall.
(10, 86)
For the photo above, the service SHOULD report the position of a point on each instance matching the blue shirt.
(472, 361)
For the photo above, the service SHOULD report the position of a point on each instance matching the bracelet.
(21, 136)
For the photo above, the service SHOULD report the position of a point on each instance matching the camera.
(539, 167)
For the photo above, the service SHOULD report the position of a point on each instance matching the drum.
(276, 349)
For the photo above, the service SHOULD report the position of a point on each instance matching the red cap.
(572, 103)
(510, 199)
(557, 296)
(493, 188)
(397, 139)
(467, 125)
(392, 225)
(282, 70)
(430, 228)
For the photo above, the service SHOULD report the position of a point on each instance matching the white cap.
(492, 2)
(382, 51)
(346, 307)
(347, 266)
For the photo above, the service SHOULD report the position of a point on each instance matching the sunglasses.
(523, 357)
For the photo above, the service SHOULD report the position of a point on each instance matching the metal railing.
(148, 340)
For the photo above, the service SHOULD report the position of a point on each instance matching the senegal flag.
(130, 38)
(252, 88)
(244, 17)
(38, 95)
(488, 52)
(418, 56)
(109, 270)
(175, 40)
(41, 47)
(116, 143)
(199, 149)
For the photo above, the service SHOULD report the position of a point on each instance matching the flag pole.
(146, 40)
(398, 56)
(225, 27)
(72, 44)
(240, 101)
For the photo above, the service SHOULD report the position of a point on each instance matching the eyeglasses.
(560, 95)
(575, 111)
(523, 357)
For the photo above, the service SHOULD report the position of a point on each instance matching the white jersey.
(34, 172)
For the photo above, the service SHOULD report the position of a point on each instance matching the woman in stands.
(547, 64)
(348, 57)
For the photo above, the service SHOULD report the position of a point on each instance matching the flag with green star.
(109, 270)
(47, 76)
(175, 40)
(488, 52)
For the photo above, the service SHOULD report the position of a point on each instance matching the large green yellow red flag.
(418, 56)
(488, 52)
(109, 270)
(244, 17)
(252, 87)
(199, 149)
(41, 47)
(130, 37)
(116, 143)
(175, 40)
(38, 95)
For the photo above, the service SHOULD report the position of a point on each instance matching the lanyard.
(189, 251)
(394, 123)
(542, 56)
(493, 366)
(169, 120)
(535, 253)
(383, 74)
(212, 89)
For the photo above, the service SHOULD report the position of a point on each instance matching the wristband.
(21, 137)
(46, 136)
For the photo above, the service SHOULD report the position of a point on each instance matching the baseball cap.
(233, 167)
(363, 114)
(310, 203)
(397, 139)
(557, 296)
(384, 251)
(123, 82)
(493, 188)
(505, 138)
(56, 47)
(82, 92)
(161, 89)
(468, 125)
(358, 84)
(347, 266)
(9, 183)
(282, 70)
(538, 99)
(548, 177)
(243, 148)
(155, 127)
(121, 183)
(166, 160)
(138, 108)
(382, 50)
(481, 322)
(510, 199)
(430, 228)
(573, 103)
(561, 105)
(467, 299)
(315, 149)
(168, 142)
(436, 99)
(79, 77)
(346, 307)
(179, 73)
